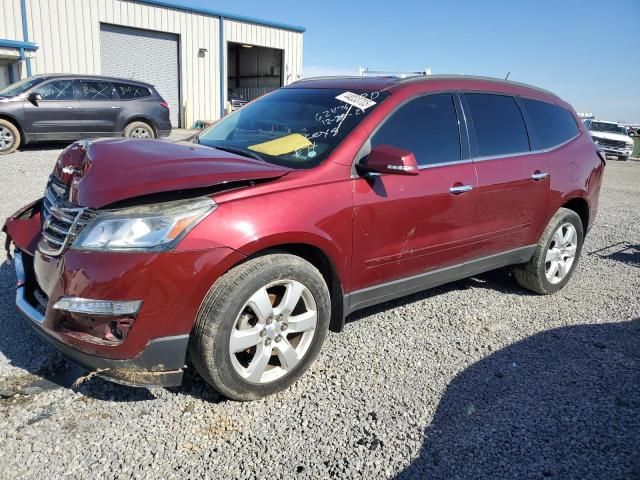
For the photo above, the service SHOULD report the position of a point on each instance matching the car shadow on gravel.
(564, 403)
(500, 280)
(35, 147)
(624, 252)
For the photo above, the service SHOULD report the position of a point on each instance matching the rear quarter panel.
(576, 172)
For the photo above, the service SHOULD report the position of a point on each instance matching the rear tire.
(556, 255)
(9, 137)
(261, 326)
(139, 130)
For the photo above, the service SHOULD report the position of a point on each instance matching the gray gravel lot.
(477, 379)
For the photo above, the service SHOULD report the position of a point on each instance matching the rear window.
(94, 90)
(127, 91)
(553, 124)
(498, 124)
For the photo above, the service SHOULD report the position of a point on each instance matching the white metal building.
(194, 56)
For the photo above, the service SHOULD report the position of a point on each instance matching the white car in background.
(611, 137)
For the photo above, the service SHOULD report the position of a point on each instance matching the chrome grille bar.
(62, 220)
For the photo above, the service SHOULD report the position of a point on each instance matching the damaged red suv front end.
(96, 305)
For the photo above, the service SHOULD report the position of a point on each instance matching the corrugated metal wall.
(68, 32)
(11, 24)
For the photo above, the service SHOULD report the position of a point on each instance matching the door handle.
(70, 107)
(115, 107)
(539, 175)
(457, 189)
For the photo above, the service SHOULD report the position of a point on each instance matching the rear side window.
(553, 124)
(57, 90)
(498, 123)
(94, 90)
(426, 126)
(127, 91)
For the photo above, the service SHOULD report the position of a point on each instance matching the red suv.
(241, 249)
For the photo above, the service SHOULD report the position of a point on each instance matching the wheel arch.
(141, 118)
(16, 123)
(581, 207)
(319, 259)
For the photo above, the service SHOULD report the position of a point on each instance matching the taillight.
(165, 105)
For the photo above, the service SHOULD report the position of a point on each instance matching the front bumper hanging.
(160, 364)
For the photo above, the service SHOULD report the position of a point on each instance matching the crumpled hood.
(101, 172)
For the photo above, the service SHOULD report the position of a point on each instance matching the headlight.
(629, 144)
(156, 227)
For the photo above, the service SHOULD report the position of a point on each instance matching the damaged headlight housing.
(157, 227)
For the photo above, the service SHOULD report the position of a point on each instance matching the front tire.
(139, 130)
(623, 159)
(261, 326)
(9, 137)
(556, 255)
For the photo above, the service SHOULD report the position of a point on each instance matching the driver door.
(408, 227)
(56, 116)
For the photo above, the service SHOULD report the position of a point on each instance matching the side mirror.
(34, 97)
(388, 159)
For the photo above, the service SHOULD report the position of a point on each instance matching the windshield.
(607, 127)
(296, 128)
(21, 86)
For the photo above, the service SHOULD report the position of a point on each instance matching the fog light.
(98, 307)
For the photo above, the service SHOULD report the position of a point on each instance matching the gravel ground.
(477, 379)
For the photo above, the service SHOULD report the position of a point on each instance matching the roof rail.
(473, 77)
(366, 72)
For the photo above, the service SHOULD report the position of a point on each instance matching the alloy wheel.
(273, 331)
(6, 138)
(561, 253)
(140, 133)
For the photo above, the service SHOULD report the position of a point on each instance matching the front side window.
(554, 124)
(127, 91)
(94, 90)
(498, 124)
(56, 90)
(293, 127)
(426, 126)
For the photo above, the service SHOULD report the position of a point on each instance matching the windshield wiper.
(241, 151)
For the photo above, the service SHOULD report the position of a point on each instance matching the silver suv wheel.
(140, 133)
(273, 331)
(561, 253)
(6, 138)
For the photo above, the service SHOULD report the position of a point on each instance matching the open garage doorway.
(252, 71)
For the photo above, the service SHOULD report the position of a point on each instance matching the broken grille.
(609, 143)
(62, 221)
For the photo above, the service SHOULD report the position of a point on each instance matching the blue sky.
(567, 46)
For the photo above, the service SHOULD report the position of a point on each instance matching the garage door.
(143, 55)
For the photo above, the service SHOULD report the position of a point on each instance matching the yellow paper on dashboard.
(282, 145)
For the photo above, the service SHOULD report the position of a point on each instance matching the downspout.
(223, 69)
(25, 35)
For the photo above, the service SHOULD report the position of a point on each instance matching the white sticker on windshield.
(356, 100)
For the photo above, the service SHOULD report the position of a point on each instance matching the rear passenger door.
(409, 225)
(99, 107)
(513, 181)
